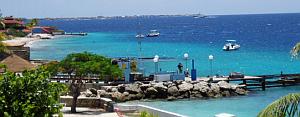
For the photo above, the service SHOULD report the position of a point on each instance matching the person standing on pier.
(180, 66)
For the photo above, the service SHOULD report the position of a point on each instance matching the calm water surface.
(265, 40)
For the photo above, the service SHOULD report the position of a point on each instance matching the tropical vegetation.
(32, 23)
(81, 65)
(29, 95)
(147, 114)
(287, 106)
(295, 51)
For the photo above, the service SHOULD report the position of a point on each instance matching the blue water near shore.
(266, 41)
(241, 106)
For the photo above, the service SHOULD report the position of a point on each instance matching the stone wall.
(166, 90)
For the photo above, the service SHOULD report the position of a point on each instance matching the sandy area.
(28, 41)
(19, 41)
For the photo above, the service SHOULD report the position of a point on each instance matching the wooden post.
(245, 83)
(263, 84)
(283, 81)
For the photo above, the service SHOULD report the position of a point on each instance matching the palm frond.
(286, 106)
(296, 50)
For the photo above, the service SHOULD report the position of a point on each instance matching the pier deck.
(249, 82)
(261, 81)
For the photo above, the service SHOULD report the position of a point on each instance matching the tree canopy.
(32, 23)
(80, 65)
(83, 64)
(30, 95)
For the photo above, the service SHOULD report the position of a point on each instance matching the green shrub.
(32, 95)
(147, 114)
(16, 33)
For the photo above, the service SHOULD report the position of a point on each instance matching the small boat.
(139, 36)
(199, 15)
(153, 33)
(231, 45)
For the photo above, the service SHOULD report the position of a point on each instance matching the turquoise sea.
(241, 106)
(265, 40)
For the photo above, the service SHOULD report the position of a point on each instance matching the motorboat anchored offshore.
(153, 33)
(140, 36)
(231, 45)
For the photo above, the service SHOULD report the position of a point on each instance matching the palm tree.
(286, 106)
(3, 48)
(32, 23)
(2, 24)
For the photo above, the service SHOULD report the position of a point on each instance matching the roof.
(13, 22)
(46, 29)
(14, 63)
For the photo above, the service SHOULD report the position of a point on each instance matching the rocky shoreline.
(171, 90)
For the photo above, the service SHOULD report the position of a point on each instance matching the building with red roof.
(13, 22)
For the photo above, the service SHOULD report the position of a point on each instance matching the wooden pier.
(249, 82)
(78, 34)
(261, 81)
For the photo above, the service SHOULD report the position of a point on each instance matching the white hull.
(229, 47)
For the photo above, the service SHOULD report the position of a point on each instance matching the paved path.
(87, 112)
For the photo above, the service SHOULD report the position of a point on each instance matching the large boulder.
(117, 96)
(234, 86)
(125, 93)
(114, 89)
(151, 92)
(134, 96)
(241, 91)
(202, 87)
(215, 88)
(101, 93)
(121, 88)
(178, 82)
(184, 87)
(133, 89)
(93, 90)
(226, 93)
(143, 87)
(224, 85)
(173, 91)
(160, 87)
(88, 93)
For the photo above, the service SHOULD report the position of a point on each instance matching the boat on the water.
(139, 36)
(153, 33)
(199, 15)
(231, 45)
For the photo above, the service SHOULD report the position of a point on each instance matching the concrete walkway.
(87, 112)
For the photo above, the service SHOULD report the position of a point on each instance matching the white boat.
(40, 35)
(153, 33)
(231, 45)
(139, 36)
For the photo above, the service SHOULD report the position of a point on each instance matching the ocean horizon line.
(153, 15)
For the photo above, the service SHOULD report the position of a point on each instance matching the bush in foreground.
(30, 95)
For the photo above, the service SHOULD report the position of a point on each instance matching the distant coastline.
(162, 15)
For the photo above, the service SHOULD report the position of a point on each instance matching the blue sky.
(78, 8)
